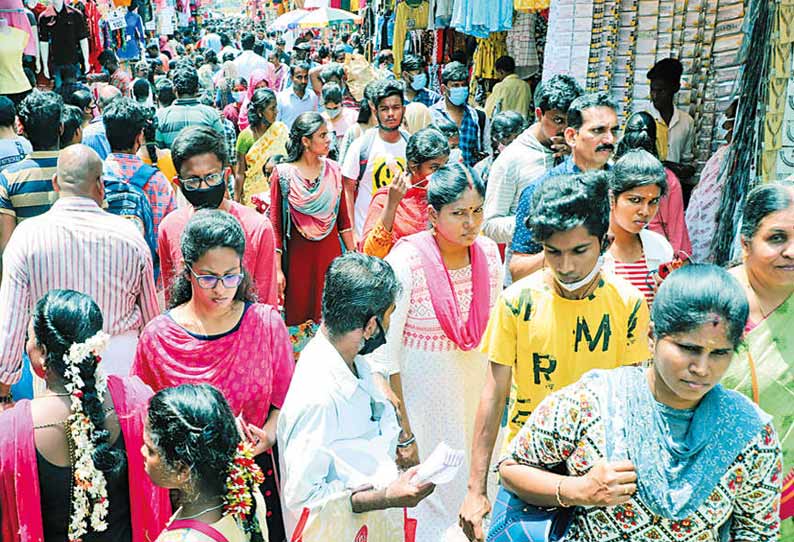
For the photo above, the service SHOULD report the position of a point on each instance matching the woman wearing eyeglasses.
(215, 333)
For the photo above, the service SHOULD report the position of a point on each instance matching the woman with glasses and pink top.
(215, 333)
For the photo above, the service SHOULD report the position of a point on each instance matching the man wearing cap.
(675, 128)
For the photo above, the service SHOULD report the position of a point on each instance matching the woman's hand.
(607, 484)
(398, 189)
(260, 439)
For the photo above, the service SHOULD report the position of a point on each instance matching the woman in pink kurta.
(214, 334)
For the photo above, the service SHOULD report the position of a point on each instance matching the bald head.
(107, 94)
(78, 170)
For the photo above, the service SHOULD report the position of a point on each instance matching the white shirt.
(521, 162)
(680, 136)
(336, 432)
(376, 175)
(248, 61)
(290, 106)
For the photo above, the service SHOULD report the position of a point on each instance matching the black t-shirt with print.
(63, 30)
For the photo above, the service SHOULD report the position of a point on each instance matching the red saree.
(20, 497)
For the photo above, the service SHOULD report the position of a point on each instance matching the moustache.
(606, 147)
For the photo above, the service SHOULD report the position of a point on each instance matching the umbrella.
(288, 20)
(321, 17)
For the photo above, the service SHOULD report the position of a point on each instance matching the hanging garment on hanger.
(12, 76)
(15, 13)
(407, 18)
(134, 36)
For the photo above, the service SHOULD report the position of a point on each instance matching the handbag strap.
(753, 377)
(199, 526)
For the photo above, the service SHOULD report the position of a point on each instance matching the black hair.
(505, 64)
(302, 65)
(80, 98)
(186, 82)
(192, 426)
(195, 140)
(637, 167)
(585, 102)
(565, 202)
(323, 52)
(446, 127)
(448, 184)
(228, 56)
(261, 99)
(124, 120)
(225, 41)
(692, 295)
(141, 90)
(39, 113)
(107, 56)
(72, 120)
(210, 57)
(667, 69)
(761, 202)
(454, 71)
(357, 287)
(332, 93)
(334, 69)
(68, 72)
(426, 144)
(506, 124)
(412, 63)
(385, 88)
(258, 48)
(208, 229)
(165, 92)
(365, 111)
(639, 133)
(383, 55)
(63, 318)
(8, 111)
(304, 126)
(150, 133)
(558, 93)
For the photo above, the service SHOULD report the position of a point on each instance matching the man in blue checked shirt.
(414, 73)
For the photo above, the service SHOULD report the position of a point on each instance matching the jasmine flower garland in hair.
(89, 487)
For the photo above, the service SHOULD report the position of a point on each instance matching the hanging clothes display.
(479, 18)
(779, 125)
(440, 13)
(521, 45)
(408, 16)
(134, 37)
(488, 51)
(15, 13)
(529, 6)
(12, 45)
(92, 19)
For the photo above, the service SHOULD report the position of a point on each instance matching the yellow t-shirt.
(550, 342)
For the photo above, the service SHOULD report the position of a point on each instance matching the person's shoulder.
(616, 287)
(175, 219)
(531, 285)
(249, 219)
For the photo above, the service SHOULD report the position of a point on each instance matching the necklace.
(194, 516)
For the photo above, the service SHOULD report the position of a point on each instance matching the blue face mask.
(458, 95)
(419, 82)
(333, 113)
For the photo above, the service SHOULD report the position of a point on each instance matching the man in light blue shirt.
(298, 98)
(337, 432)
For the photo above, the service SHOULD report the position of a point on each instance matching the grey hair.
(357, 287)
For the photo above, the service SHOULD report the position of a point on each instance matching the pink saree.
(20, 498)
(251, 365)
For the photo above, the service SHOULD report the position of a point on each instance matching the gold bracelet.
(559, 497)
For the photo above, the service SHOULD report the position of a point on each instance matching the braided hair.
(63, 318)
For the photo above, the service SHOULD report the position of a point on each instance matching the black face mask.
(374, 342)
(206, 198)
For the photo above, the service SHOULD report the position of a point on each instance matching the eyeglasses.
(194, 183)
(208, 282)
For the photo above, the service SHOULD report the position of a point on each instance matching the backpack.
(366, 147)
(128, 200)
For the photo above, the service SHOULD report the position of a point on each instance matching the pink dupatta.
(20, 494)
(442, 293)
(251, 365)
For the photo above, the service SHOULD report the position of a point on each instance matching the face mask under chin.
(373, 343)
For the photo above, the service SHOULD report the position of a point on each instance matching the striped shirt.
(158, 189)
(183, 113)
(637, 274)
(26, 187)
(78, 246)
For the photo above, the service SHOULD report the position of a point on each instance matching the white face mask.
(573, 286)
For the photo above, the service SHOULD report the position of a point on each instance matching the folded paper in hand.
(441, 467)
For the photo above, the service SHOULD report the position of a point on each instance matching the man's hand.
(475, 506)
(404, 493)
(559, 146)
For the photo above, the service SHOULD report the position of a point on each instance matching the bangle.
(406, 443)
(559, 497)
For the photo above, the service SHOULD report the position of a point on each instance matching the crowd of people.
(246, 294)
